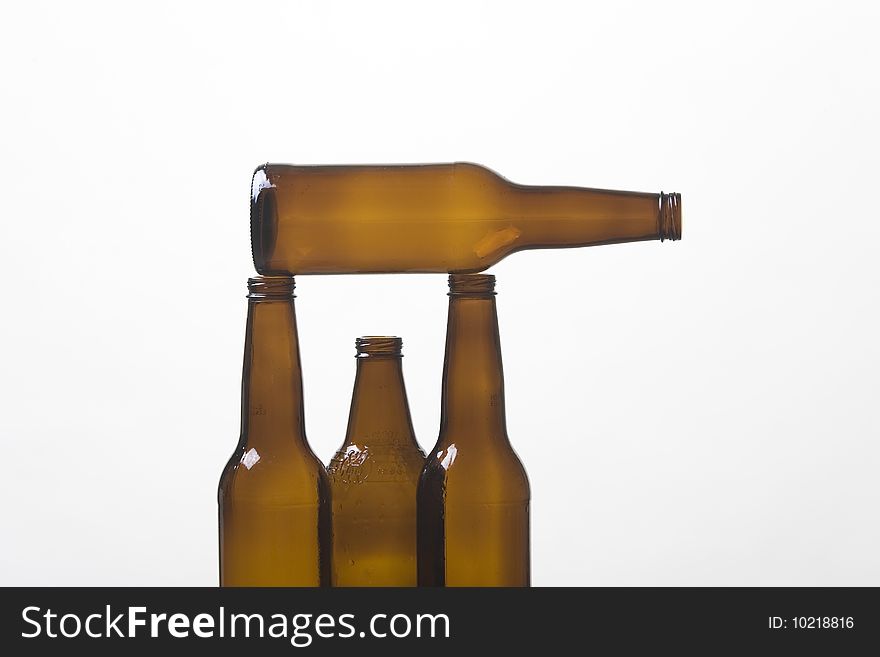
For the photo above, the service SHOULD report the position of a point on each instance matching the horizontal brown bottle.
(458, 217)
(473, 495)
(373, 476)
(274, 492)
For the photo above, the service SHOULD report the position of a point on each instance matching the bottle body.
(274, 493)
(473, 496)
(374, 474)
(270, 538)
(473, 519)
(458, 217)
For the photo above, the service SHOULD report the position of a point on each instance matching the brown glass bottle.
(473, 495)
(458, 217)
(274, 493)
(373, 476)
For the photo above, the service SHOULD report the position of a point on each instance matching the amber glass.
(373, 476)
(458, 217)
(473, 495)
(274, 493)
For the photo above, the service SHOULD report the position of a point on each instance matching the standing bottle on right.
(473, 495)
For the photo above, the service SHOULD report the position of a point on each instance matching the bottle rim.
(264, 217)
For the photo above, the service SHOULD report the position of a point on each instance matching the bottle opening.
(471, 284)
(370, 346)
(669, 217)
(271, 287)
(264, 218)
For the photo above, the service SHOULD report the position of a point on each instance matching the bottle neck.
(379, 412)
(576, 216)
(473, 381)
(272, 399)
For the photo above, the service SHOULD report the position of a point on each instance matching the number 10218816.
(811, 623)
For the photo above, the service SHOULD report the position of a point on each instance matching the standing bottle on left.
(274, 492)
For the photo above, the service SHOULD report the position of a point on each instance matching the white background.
(698, 412)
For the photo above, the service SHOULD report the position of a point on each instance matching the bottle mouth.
(271, 287)
(372, 346)
(471, 284)
(264, 218)
(669, 217)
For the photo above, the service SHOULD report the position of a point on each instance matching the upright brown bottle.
(274, 493)
(373, 476)
(432, 218)
(473, 496)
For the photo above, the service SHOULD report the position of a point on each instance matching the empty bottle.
(432, 218)
(473, 495)
(373, 476)
(274, 492)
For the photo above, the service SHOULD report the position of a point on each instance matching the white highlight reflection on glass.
(260, 182)
(449, 459)
(250, 458)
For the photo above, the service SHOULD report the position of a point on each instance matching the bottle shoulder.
(292, 477)
(481, 471)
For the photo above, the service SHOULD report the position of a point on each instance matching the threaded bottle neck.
(272, 401)
(271, 287)
(466, 285)
(378, 346)
(473, 381)
(669, 217)
(379, 415)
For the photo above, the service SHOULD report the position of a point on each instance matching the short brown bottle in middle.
(374, 475)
